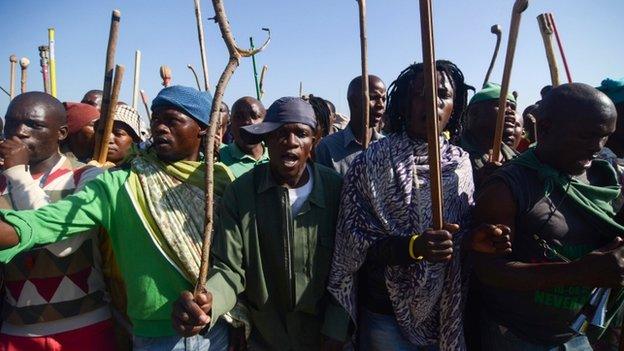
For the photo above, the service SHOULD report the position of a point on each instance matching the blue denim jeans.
(216, 339)
(495, 337)
(380, 332)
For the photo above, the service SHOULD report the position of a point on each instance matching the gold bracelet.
(411, 248)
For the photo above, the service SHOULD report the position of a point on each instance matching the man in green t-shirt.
(239, 155)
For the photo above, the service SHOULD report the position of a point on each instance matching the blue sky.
(315, 42)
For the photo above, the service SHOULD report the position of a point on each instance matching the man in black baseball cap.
(273, 245)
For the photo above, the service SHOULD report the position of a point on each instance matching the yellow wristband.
(411, 248)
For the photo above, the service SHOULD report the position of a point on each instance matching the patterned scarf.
(387, 192)
(169, 198)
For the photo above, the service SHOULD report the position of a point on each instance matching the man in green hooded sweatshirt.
(153, 210)
(557, 200)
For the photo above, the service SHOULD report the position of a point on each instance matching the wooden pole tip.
(116, 14)
(165, 72)
(496, 29)
(24, 62)
(520, 6)
(13, 58)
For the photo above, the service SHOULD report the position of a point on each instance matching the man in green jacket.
(273, 245)
(153, 210)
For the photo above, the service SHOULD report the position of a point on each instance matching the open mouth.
(290, 159)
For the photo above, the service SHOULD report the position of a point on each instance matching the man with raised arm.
(153, 210)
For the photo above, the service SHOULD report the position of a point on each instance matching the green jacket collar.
(267, 182)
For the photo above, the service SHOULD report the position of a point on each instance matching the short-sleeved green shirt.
(238, 161)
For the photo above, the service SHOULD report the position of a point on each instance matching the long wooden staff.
(189, 66)
(13, 60)
(137, 76)
(108, 81)
(516, 15)
(236, 54)
(44, 56)
(431, 101)
(202, 44)
(24, 62)
(496, 30)
(109, 119)
(364, 59)
(145, 99)
(547, 33)
(165, 75)
(255, 70)
(551, 20)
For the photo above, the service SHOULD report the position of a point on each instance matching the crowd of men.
(319, 243)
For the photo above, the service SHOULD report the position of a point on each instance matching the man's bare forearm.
(8, 236)
(520, 276)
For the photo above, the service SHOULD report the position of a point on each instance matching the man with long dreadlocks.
(324, 116)
(338, 150)
(410, 281)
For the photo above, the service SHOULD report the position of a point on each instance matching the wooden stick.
(202, 44)
(137, 76)
(24, 62)
(516, 15)
(364, 59)
(108, 79)
(263, 73)
(13, 60)
(255, 70)
(547, 32)
(236, 54)
(44, 57)
(165, 75)
(551, 20)
(109, 119)
(431, 101)
(189, 66)
(495, 29)
(6, 92)
(52, 45)
(300, 89)
(145, 99)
